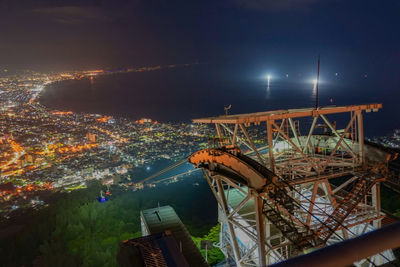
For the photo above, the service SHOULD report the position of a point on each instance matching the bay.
(183, 93)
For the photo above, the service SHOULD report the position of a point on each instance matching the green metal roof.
(163, 219)
(235, 196)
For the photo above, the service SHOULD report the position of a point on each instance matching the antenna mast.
(316, 95)
(226, 109)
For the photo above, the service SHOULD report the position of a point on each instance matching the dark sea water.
(183, 93)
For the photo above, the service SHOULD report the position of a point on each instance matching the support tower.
(296, 184)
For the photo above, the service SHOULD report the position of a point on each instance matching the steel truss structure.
(296, 192)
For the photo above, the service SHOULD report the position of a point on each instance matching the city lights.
(52, 150)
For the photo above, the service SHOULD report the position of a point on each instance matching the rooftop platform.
(162, 219)
(286, 113)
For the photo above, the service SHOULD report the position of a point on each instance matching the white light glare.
(268, 79)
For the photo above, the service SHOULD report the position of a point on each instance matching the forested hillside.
(77, 230)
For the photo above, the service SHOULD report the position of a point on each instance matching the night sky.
(353, 37)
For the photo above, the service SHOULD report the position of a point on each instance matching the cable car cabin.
(102, 199)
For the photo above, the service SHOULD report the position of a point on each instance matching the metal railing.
(349, 251)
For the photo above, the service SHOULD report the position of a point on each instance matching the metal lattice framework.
(294, 192)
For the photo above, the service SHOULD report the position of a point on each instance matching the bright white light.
(268, 79)
(314, 81)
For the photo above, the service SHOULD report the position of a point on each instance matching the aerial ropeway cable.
(179, 163)
(167, 169)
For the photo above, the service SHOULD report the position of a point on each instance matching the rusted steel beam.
(283, 114)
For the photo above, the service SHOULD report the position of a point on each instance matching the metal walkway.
(279, 206)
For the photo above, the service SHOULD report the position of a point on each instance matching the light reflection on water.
(183, 94)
